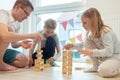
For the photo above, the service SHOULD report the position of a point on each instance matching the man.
(8, 20)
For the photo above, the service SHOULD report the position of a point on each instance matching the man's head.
(22, 9)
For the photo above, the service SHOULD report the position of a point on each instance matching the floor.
(53, 73)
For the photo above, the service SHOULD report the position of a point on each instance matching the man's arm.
(24, 44)
(7, 36)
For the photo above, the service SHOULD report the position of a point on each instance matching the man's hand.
(37, 36)
(26, 44)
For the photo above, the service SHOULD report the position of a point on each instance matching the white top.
(6, 18)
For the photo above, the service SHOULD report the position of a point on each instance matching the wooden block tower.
(39, 62)
(67, 62)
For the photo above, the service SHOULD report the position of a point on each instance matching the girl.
(101, 45)
(49, 43)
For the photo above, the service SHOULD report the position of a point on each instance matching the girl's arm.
(73, 46)
(77, 46)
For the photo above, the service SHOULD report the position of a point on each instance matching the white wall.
(6, 4)
(110, 12)
(106, 7)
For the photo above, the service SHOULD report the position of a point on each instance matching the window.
(67, 16)
(40, 3)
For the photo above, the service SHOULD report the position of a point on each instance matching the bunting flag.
(64, 24)
(63, 42)
(72, 40)
(79, 37)
(71, 22)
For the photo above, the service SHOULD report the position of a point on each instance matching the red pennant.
(79, 37)
(64, 24)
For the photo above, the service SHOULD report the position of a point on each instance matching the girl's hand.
(85, 52)
(68, 46)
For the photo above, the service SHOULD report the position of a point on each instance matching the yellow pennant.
(72, 40)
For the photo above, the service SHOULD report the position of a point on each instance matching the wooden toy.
(47, 64)
(39, 62)
(67, 62)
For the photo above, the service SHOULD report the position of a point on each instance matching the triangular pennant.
(79, 37)
(63, 42)
(71, 22)
(72, 40)
(64, 24)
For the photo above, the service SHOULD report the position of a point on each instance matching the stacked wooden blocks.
(39, 62)
(67, 62)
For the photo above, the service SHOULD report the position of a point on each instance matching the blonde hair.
(97, 25)
(50, 24)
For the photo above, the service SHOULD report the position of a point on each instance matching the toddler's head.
(49, 27)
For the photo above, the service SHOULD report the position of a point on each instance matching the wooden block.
(63, 72)
(79, 68)
(47, 65)
(38, 70)
(38, 62)
(67, 62)
(64, 51)
(70, 64)
(65, 54)
(64, 60)
(70, 52)
(70, 68)
(88, 61)
(39, 56)
(69, 72)
(39, 65)
(64, 57)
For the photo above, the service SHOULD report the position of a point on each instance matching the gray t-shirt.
(43, 42)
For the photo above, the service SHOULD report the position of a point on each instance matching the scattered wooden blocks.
(47, 64)
(79, 68)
